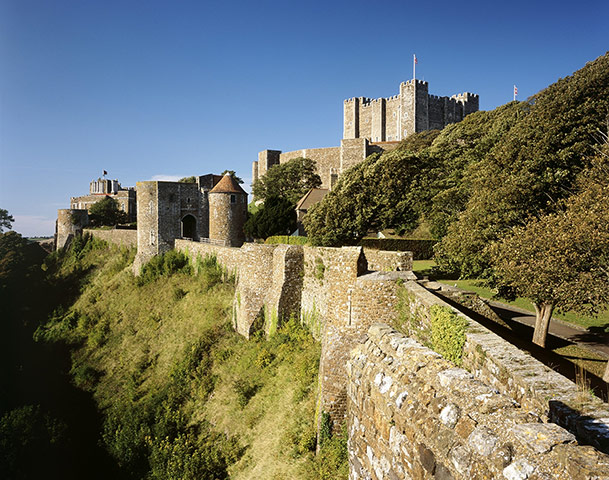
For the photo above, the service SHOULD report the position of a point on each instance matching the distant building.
(100, 188)
(376, 125)
(313, 196)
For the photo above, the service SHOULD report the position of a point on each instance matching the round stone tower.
(70, 222)
(227, 212)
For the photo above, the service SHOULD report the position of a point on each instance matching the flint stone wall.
(120, 237)
(412, 414)
(515, 373)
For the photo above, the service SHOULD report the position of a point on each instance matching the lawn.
(425, 267)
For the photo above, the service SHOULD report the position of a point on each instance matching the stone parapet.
(412, 414)
(120, 237)
(515, 373)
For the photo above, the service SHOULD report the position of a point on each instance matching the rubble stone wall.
(412, 414)
(121, 237)
(515, 373)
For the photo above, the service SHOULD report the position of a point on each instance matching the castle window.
(233, 199)
(152, 237)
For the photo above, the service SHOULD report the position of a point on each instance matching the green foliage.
(6, 220)
(233, 175)
(169, 373)
(287, 239)
(29, 441)
(332, 459)
(106, 212)
(245, 390)
(191, 179)
(373, 195)
(277, 216)
(320, 268)
(325, 428)
(166, 264)
(561, 259)
(289, 180)
(447, 333)
(530, 168)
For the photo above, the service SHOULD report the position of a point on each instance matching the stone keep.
(227, 212)
(375, 126)
(412, 110)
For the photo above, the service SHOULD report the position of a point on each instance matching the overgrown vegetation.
(447, 333)
(183, 396)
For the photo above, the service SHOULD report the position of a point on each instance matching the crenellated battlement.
(412, 110)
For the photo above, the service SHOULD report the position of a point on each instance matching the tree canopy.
(106, 212)
(289, 180)
(560, 260)
(276, 216)
(375, 194)
(6, 220)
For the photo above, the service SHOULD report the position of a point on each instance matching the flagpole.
(414, 66)
(515, 90)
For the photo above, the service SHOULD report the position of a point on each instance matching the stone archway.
(189, 227)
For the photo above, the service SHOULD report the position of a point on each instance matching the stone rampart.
(228, 257)
(385, 261)
(120, 237)
(515, 373)
(412, 414)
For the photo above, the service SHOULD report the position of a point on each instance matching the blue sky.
(151, 89)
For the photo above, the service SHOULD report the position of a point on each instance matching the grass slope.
(184, 396)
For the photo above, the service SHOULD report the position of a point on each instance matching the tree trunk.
(606, 375)
(543, 314)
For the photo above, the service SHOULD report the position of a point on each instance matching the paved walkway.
(593, 339)
(597, 341)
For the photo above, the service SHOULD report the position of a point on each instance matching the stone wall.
(386, 261)
(70, 222)
(518, 375)
(412, 110)
(121, 237)
(412, 414)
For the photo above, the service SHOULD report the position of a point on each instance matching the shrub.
(447, 333)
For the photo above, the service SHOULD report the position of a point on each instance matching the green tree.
(560, 260)
(289, 180)
(277, 216)
(232, 174)
(191, 179)
(106, 212)
(5, 220)
(380, 192)
(531, 168)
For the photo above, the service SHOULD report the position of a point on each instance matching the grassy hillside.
(182, 395)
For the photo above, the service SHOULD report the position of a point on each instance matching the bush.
(287, 239)
(448, 333)
(166, 264)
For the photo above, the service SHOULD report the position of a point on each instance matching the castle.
(212, 209)
(102, 187)
(376, 126)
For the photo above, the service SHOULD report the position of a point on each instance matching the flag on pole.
(414, 66)
(515, 91)
(105, 173)
(415, 59)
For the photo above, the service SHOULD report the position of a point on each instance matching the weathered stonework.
(412, 414)
(167, 211)
(70, 222)
(117, 236)
(412, 110)
(338, 296)
(518, 375)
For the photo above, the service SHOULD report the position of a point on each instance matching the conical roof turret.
(227, 185)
